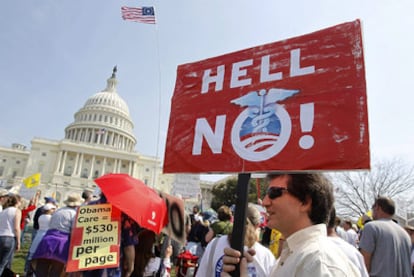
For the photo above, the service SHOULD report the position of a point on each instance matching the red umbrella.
(136, 199)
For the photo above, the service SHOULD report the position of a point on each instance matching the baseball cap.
(49, 199)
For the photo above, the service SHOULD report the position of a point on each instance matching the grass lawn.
(20, 258)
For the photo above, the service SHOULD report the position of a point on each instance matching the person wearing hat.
(87, 196)
(38, 213)
(44, 221)
(3, 198)
(51, 254)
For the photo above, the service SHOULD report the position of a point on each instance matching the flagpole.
(159, 101)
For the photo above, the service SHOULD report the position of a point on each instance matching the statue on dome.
(114, 72)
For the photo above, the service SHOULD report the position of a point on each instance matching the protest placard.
(296, 104)
(95, 238)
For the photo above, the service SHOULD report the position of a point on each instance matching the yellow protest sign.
(95, 238)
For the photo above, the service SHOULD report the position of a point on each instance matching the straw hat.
(3, 192)
(73, 200)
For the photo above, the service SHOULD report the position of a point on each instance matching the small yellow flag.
(32, 181)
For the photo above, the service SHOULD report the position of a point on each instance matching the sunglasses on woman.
(275, 192)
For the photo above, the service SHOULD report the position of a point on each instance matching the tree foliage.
(355, 191)
(225, 193)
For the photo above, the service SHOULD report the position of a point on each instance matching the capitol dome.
(104, 120)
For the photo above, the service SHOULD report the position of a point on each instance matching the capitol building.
(100, 140)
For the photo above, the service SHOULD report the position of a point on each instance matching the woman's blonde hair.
(252, 223)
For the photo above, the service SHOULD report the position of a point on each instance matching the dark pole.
(239, 224)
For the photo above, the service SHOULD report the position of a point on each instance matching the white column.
(75, 167)
(81, 160)
(134, 168)
(129, 167)
(111, 139)
(105, 137)
(92, 166)
(59, 161)
(103, 166)
(119, 165)
(115, 165)
(62, 169)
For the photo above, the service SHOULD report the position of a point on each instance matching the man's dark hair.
(86, 194)
(224, 213)
(311, 186)
(386, 204)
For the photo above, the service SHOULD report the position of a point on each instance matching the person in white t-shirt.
(10, 218)
(44, 221)
(350, 251)
(211, 263)
(351, 234)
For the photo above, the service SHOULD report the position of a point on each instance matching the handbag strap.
(210, 257)
(159, 271)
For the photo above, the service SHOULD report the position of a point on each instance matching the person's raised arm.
(35, 199)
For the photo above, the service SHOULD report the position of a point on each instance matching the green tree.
(225, 193)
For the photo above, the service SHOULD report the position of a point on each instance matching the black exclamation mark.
(306, 125)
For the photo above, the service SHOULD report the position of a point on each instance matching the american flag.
(140, 14)
(101, 131)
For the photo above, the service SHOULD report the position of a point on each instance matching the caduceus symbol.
(261, 105)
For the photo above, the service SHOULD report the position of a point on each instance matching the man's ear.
(307, 204)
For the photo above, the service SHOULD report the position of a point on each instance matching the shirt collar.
(298, 238)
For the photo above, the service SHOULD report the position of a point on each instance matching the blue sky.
(56, 54)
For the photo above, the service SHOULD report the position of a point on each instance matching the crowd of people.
(300, 235)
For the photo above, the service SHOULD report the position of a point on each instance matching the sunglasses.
(275, 192)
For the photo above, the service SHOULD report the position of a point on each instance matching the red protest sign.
(297, 104)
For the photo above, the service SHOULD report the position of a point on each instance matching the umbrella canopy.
(136, 199)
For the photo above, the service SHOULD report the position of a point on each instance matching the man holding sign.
(299, 205)
(293, 105)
